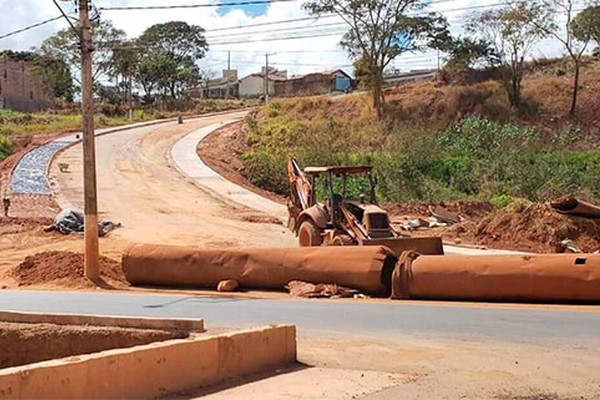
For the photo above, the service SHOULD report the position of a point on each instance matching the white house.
(254, 85)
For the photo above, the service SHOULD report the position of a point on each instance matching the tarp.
(360, 267)
(546, 278)
(71, 221)
(574, 206)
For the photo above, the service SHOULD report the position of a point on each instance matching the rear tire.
(309, 234)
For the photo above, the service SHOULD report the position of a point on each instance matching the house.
(315, 83)
(254, 85)
(217, 88)
(21, 89)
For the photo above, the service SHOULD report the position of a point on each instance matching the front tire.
(309, 235)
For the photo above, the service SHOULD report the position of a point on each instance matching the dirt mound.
(64, 269)
(537, 228)
(472, 210)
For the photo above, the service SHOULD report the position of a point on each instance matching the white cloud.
(297, 56)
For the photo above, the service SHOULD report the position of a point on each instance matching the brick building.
(314, 84)
(20, 88)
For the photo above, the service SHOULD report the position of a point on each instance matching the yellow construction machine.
(349, 215)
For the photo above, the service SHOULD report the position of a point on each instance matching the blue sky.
(253, 10)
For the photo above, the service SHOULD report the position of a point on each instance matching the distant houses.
(314, 84)
(21, 89)
(253, 85)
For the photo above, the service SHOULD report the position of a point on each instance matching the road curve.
(138, 187)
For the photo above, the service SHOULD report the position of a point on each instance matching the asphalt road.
(550, 326)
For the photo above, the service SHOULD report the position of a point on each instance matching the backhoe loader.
(350, 214)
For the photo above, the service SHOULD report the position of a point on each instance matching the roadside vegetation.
(440, 141)
(17, 125)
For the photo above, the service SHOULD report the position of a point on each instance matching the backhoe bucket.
(424, 245)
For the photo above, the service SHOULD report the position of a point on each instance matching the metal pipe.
(364, 268)
(527, 278)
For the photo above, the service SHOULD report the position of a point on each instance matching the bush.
(6, 146)
(474, 158)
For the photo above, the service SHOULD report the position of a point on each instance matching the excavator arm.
(301, 193)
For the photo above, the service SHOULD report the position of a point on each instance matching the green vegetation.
(14, 124)
(471, 158)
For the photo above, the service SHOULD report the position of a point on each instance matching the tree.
(380, 31)
(177, 39)
(512, 31)
(171, 51)
(64, 46)
(575, 48)
(586, 25)
(468, 52)
(123, 67)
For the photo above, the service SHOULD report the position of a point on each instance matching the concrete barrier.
(189, 325)
(155, 369)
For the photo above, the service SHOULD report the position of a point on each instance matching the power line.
(286, 21)
(277, 63)
(274, 39)
(298, 28)
(9, 34)
(188, 6)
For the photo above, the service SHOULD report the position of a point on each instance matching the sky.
(298, 56)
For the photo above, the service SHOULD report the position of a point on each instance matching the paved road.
(561, 326)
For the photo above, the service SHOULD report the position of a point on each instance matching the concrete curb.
(156, 369)
(71, 140)
(184, 155)
(189, 325)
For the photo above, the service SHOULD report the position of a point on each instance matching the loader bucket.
(424, 245)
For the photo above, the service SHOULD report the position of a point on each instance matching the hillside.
(439, 142)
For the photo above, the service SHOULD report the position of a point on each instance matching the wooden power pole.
(92, 250)
(266, 82)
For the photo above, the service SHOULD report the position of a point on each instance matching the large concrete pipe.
(547, 278)
(365, 268)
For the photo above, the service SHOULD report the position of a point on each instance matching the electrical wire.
(188, 6)
(27, 28)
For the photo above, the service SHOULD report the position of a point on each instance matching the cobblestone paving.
(29, 177)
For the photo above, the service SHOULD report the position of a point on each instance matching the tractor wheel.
(342, 240)
(309, 234)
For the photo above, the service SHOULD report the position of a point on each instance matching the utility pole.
(130, 97)
(92, 250)
(228, 72)
(266, 84)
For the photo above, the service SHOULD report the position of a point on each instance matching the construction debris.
(530, 227)
(71, 221)
(572, 206)
(311, 291)
(229, 285)
(570, 246)
(444, 216)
